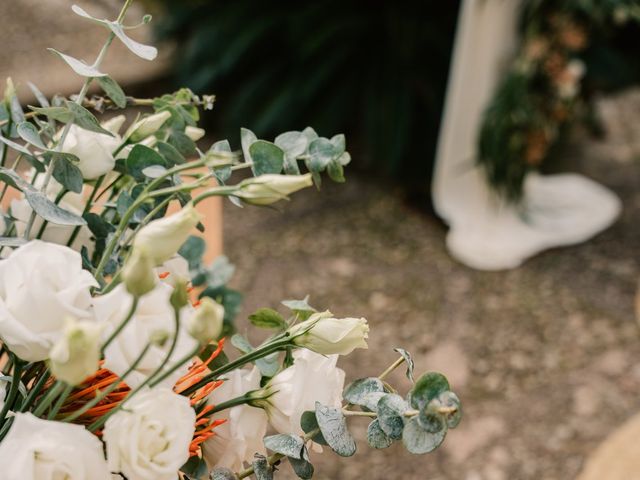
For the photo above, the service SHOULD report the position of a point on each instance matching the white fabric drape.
(486, 233)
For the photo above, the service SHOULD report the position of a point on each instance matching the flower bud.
(162, 238)
(205, 324)
(76, 355)
(194, 133)
(146, 126)
(327, 335)
(114, 124)
(180, 296)
(269, 188)
(138, 274)
(159, 337)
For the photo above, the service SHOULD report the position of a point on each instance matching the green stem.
(116, 332)
(51, 394)
(35, 391)
(87, 207)
(63, 396)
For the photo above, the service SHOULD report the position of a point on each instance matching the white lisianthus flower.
(36, 449)
(174, 270)
(238, 439)
(194, 133)
(40, 285)
(327, 335)
(269, 188)
(162, 238)
(146, 126)
(206, 323)
(149, 439)
(94, 150)
(312, 378)
(153, 315)
(76, 355)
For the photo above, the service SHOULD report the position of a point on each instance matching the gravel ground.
(545, 358)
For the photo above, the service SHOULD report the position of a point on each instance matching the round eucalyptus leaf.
(223, 474)
(376, 436)
(417, 440)
(431, 422)
(333, 426)
(448, 406)
(391, 409)
(426, 388)
(285, 444)
(357, 391)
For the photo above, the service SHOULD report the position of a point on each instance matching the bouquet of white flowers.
(113, 329)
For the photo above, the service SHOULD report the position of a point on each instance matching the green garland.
(569, 50)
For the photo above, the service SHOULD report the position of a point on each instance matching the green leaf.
(61, 114)
(308, 422)
(78, 66)
(195, 468)
(391, 409)
(267, 318)
(448, 406)
(428, 386)
(376, 437)
(247, 138)
(29, 133)
(98, 225)
(154, 171)
(302, 468)
(285, 444)
(192, 251)
(268, 365)
(336, 171)
(418, 441)
(261, 468)
(431, 422)
(182, 143)
(333, 426)
(300, 307)
(147, 52)
(170, 154)
(12, 178)
(85, 119)
(50, 211)
(339, 142)
(409, 361)
(322, 151)
(294, 145)
(358, 390)
(15, 146)
(140, 158)
(310, 133)
(113, 91)
(267, 157)
(66, 173)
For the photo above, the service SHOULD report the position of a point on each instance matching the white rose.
(153, 315)
(94, 150)
(149, 439)
(40, 285)
(327, 335)
(36, 449)
(312, 378)
(76, 355)
(237, 440)
(162, 238)
(269, 188)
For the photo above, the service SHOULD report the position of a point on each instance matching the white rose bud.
(149, 439)
(162, 238)
(327, 335)
(138, 274)
(206, 323)
(76, 355)
(36, 449)
(194, 133)
(269, 188)
(146, 126)
(94, 150)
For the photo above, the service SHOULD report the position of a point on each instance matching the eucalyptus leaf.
(376, 436)
(302, 468)
(339, 142)
(308, 422)
(10, 176)
(247, 138)
(285, 444)
(85, 119)
(431, 422)
(170, 153)
(322, 151)
(29, 133)
(300, 307)
(81, 12)
(67, 174)
(223, 474)
(113, 91)
(448, 406)
(267, 318)
(78, 66)
(61, 114)
(192, 251)
(50, 211)
(154, 171)
(391, 409)
(147, 52)
(336, 171)
(409, 361)
(182, 143)
(140, 158)
(418, 441)
(333, 426)
(428, 386)
(357, 391)
(15, 146)
(267, 158)
(261, 468)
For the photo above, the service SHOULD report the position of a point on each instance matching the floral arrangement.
(569, 49)
(113, 330)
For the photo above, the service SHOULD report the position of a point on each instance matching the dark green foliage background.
(376, 70)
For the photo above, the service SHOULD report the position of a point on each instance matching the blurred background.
(545, 357)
